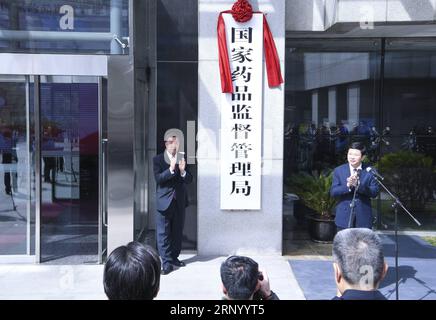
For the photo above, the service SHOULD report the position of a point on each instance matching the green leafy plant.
(314, 191)
(410, 175)
(431, 240)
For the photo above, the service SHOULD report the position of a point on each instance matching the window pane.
(77, 19)
(15, 174)
(331, 98)
(177, 30)
(69, 169)
(409, 111)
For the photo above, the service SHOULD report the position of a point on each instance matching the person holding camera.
(242, 280)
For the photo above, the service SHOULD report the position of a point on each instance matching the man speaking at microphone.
(351, 178)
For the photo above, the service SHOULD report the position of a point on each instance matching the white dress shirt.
(171, 157)
(352, 169)
(353, 172)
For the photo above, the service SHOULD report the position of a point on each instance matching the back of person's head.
(359, 146)
(132, 272)
(239, 276)
(359, 255)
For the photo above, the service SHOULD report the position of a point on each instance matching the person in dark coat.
(243, 280)
(359, 264)
(172, 176)
(348, 177)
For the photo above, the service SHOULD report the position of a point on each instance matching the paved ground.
(417, 262)
(199, 280)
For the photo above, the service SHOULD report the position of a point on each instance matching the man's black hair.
(132, 272)
(239, 276)
(359, 146)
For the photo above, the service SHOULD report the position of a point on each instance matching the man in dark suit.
(171, 200)
(359, 265)
(6, 150)
(132, 272)
(243, 280)
(348, 177)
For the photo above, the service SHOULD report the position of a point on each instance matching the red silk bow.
(271, 56)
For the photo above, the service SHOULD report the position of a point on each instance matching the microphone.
(374, 172)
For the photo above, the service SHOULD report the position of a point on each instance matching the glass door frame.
(59, 65)
(28, 256)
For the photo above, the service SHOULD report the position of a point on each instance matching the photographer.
(242, 280)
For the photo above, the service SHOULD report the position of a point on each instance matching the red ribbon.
(271, 56)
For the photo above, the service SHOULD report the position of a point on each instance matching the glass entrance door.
(17, 179)
(408, 148)
(69, 124)
(52, 186)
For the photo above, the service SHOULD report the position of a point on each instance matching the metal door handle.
(104, 173)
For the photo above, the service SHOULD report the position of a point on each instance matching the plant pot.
(321, 230)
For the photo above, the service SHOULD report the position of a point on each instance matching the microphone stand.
(353, 205)
(397, 203)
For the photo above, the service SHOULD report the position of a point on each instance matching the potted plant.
(314, 191)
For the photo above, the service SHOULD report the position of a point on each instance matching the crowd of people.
(310, 147)
(133, 271)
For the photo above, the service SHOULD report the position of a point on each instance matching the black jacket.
(368, 189)
(361, 295)
(167, 183)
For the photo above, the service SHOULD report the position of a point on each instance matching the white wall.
(238, 232)
(330, 69)
(305, 15)
(319, 15)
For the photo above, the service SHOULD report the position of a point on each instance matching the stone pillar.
(315, 107)
(238, 232)
(332, 106)
(353, 105)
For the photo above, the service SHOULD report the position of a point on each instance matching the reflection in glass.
(94, 18)
(16, 213)
(177, 27)
(69, 169)
(409, 159)
(330, 100)
(336, 93)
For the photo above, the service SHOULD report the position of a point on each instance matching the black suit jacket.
(368, 189)
(361, 295)
(167, 183)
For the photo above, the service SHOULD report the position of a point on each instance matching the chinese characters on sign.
(241, 117)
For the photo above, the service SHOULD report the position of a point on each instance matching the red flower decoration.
(242, 11)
